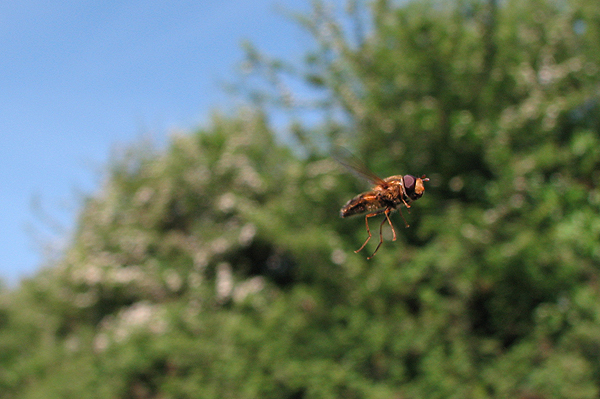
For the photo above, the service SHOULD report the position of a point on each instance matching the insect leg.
(387, 216)
(406, 204)
(380, 234)
(368, 230)
(407, 207)
(405, 222)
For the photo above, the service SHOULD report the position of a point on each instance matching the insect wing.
(355, 165)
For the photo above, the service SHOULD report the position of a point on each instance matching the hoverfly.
(387, 194)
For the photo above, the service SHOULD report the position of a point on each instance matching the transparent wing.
(355, 165)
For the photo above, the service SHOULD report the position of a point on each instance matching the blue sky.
(79, 79)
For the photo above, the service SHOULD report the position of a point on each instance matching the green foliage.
(219, 267)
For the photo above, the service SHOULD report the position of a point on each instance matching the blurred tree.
(220, 268)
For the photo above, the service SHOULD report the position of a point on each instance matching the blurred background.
(83, 80)
(211, 261)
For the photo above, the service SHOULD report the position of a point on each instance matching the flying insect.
(386, 195)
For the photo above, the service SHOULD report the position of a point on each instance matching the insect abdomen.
(360, 204)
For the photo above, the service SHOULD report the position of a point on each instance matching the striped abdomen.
(367, 202)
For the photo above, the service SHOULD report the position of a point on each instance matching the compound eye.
(409, 183)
